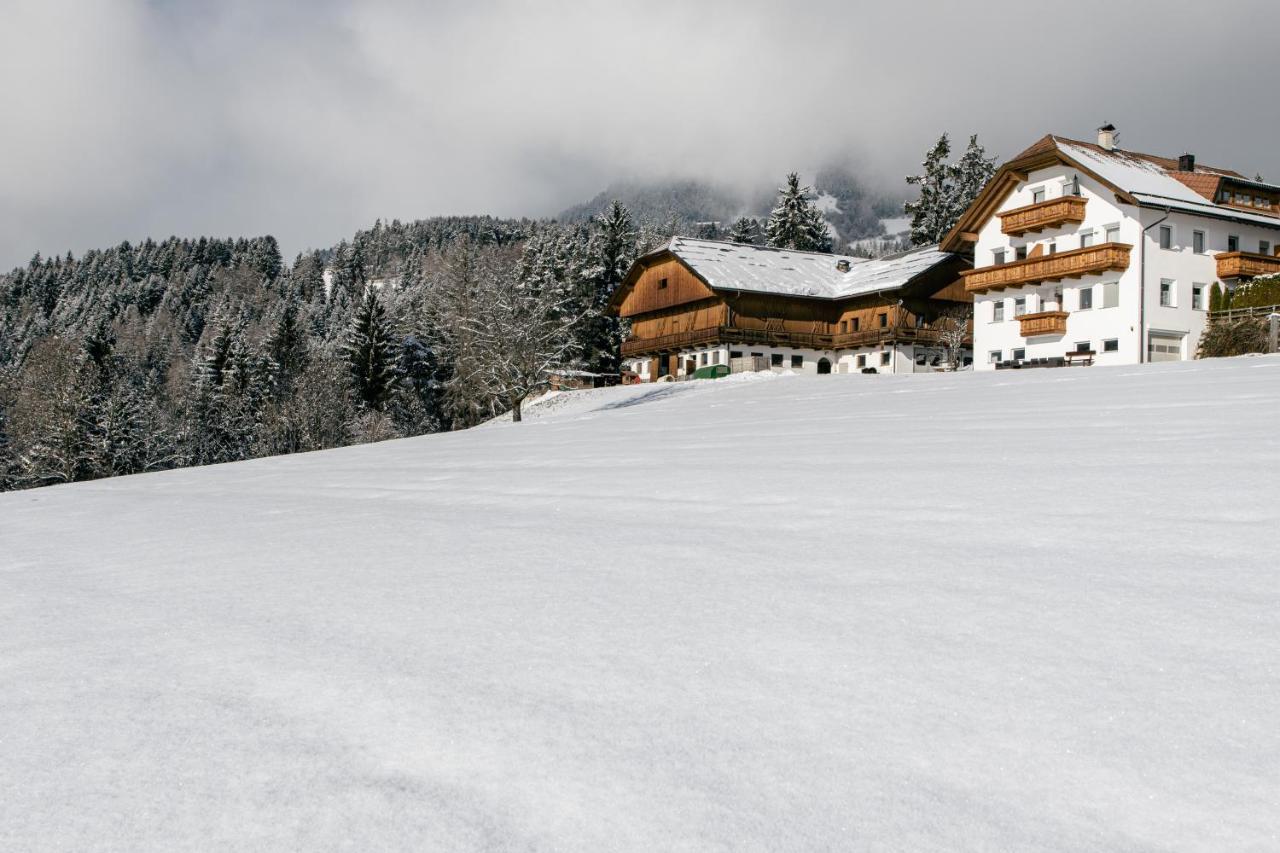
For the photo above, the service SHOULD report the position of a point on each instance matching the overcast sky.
(124, 119)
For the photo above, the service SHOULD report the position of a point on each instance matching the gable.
(664, 282)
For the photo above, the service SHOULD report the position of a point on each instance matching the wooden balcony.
(1246, 265)
(1043, 323)
(1042, 215)
(1076, 263)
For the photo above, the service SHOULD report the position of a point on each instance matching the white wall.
(900, 359)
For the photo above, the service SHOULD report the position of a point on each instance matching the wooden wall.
(648, 295)
(706, 314)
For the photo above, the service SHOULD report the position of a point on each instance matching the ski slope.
(1013, 611)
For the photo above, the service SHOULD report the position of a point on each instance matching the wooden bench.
(1084, 357)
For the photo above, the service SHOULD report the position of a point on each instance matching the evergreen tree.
(968, 176)
(745, 230)
(795, 222)
(286, 351)
(935, 210)
(370, 353)
(604, 260)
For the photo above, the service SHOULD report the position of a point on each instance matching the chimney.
(1107, 137)
(1187, 163)
(842, 265)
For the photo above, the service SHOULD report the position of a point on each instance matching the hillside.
(1027, 610)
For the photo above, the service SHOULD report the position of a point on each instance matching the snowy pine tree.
(935, 210)
(968, 176)
(745, 230)
(795, 222)
(370, 353)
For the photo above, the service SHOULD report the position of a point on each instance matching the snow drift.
(999, 611)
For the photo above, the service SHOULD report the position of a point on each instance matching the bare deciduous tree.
(952, 324)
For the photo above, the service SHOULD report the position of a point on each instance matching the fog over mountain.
(129, 118)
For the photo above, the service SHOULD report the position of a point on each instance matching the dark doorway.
(824, 366)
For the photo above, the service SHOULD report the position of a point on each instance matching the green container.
(713, 371)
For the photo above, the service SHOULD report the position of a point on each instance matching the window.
(775, 359)
(997, 311)
(994, 356)
(1053, 247)
(757, 355)
(715, 357)
(1166, 236)
(1019, 354)
(1086, 239)
(1110, 294)
(1197, 242)
(1086, 298)
(1112, 234)
(1233, 243)
(884, 320)
(703, 359)
(1197, 297)
(735, 353)
(1020, 253)
(1019, 306)
(1264, 247)
(662, 284)
(857, 323)
(884, 358)
(862, 361)
(797, 361)
(1037, 195)
(1166, 292)
(997, 257)
(1083, 346)
(844, 326)
(1111, 345)
(1257, 201)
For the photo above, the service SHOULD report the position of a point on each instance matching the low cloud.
(125, 119)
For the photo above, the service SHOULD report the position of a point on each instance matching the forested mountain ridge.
(850, 207)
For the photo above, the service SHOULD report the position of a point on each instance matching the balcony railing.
(1042, 215)
(1076, 263)
(762, 337)
(1246, 265)
(1043, 323)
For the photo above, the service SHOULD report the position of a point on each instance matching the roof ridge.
(765, 248)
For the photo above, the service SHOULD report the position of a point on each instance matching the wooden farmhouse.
(705, 304)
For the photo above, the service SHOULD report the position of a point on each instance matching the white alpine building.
(1086, 251)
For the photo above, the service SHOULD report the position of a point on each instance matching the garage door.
(1164, 347)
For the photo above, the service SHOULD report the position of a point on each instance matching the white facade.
(1153, 310)
(902, 358)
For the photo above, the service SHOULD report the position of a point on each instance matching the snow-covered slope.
(1002, 611)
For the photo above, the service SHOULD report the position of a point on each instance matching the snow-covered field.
(1011, 611)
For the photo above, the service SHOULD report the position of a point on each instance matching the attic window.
(662, 284)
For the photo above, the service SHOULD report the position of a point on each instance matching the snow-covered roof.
(1152, 183)
(760, 269)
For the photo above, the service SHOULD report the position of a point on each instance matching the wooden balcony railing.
(1042, 215)
(1043, 323)
(761, 337)
(1246, 265)
(1076, 263)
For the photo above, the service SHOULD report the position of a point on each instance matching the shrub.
(1256, 293)
(1236, 337)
